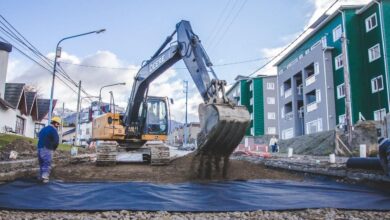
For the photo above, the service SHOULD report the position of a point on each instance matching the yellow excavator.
(139, 133)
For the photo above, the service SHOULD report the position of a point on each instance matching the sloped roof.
(30, 98)
(43, 107)
(5, 46)
(13, 93)
(4, 104)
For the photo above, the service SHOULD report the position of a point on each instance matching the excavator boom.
(223, 124)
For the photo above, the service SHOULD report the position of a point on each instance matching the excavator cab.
(155, 116)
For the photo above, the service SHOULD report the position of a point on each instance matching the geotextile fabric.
(190, 197)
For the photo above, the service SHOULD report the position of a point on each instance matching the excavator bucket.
(222, 128)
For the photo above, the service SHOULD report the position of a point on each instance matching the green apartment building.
(367, 30)
(258, 94)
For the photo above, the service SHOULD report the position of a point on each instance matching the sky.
(238, 35)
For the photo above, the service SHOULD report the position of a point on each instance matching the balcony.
(289, 116)
(287, 93)
(310, 80)
(311, 107)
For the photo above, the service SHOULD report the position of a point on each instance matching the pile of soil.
(27, 150)
(179, 170)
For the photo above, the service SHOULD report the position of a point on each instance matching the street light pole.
(100, 94)
(57, 55)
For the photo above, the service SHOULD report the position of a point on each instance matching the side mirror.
(171, 100)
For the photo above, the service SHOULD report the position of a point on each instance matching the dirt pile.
(25, 150)
(179, 170)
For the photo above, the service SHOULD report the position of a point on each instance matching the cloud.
(320, 7)
(93, 78)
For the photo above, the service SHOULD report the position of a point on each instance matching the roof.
(317, 25)
(4, 104)
(366, 7)
(73, 130)
(13, 93)
(5, 46)
(30, 98)
(43, 107)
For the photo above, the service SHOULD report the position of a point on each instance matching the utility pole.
(348, 116)
(78, 116)
(62, 121)
(185, 124)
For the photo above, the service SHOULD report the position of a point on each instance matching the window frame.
(271, 98)
(339, 95)
(370, 57)
(336, 38)
(339, 57)
(368, 22)
(378, 111)
(374, 83)
(271, 115)
(270, 86)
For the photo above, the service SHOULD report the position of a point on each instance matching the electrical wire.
(290, 44)
(19, 39)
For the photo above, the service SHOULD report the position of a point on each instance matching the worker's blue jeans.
(44, 158)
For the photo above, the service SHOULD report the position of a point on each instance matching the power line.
(226, 18)
(215, 27)
(18, 38)
(288, 46)
(229, 25)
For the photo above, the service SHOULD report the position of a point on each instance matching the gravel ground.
(301, 214)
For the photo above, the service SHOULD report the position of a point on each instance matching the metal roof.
(13, 93)
(43, 107)
(5, 46)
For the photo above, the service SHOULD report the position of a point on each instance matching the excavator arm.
(187, 48)
(223, 125)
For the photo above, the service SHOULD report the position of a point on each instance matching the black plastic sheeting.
(215, 196)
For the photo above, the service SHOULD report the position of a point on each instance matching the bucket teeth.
(222, 129)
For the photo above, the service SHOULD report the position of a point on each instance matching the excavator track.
(155, 152)
(106, 153)
(222, 129)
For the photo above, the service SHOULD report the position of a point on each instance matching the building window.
(19, 127)
(341, 91)
(377, 84)
(318, 96)
(342, 119)
(251, 86)
(374, 53)
(271, 115)
(371, 22)
(252, 131)
(37, 129)
(251, 101)
(314, 126)
(271, 130)
(338, 61)
(337, 32)
(270, 86)
(251, 116)
(271, 100)
(87, 131)
(379, 115)
(288, 133)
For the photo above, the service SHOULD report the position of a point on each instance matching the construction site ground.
(279, 166)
